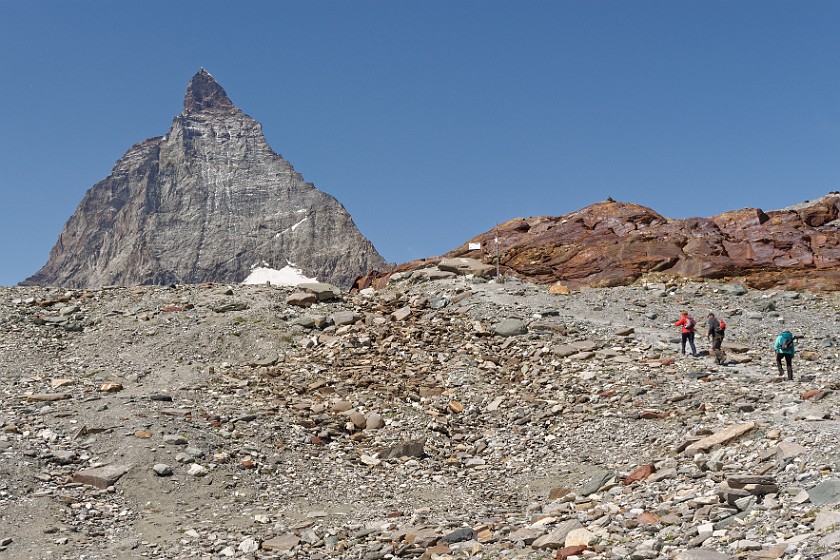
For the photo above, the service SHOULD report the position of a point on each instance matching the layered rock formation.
(205, 203)
(613, 243)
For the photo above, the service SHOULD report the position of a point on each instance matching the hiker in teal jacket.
(785, 347)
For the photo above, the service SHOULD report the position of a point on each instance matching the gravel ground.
(453, 418)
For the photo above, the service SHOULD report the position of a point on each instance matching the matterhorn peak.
(204, 93)
(204, 203)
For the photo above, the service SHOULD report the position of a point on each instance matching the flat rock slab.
(440, 275)
(596, 482)
(341, 318)
(47, 397)
(826, 518)
(463, 265)
(742, 480)
(322, 291)
(826, 492)
(585, 345)
(413, 448)
(101, 477)
(736, 347)
(565, 350)
(526, 535)
(228, 307)
(459, 535)
(557, 537)
(703, 554)
(510, 327)
(282, 543)
(808, 411)
(302, 299)
(401, 314)
(719, 438)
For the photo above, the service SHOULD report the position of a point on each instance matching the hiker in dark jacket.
(687, 324)
(716, 331)
(785, 347)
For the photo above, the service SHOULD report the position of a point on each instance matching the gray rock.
(281, 543)
(557, 537)
(321, 290)
(439, 302)
(826, 492)
(596, 482)
(510, 327)
(228, 307)
(184, 458)
(459, 535)
(174, 439)
(162, 469)
(341, 318)
(195, 451)
(302, 299)
(526, 535)
(734, 289)
(565, 350)
(248, 546)
(703, 554)
(766, 305)
(63, 457)
(826, 519)
(307, 321)
(433, 275)
(401, 314)
(197, 470)
(412, 448)
(374, 421)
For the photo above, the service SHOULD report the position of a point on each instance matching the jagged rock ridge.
(613, 243)
(205, 203)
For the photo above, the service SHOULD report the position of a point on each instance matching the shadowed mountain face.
(205, 203)
(613, 243)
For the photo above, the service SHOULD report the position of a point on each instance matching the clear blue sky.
(431, 121)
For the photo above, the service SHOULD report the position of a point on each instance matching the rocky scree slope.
(207, 202)
(448, 418)
(613, 243)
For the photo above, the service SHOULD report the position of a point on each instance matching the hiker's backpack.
(787, 343)
(689, 323)
(721, 327)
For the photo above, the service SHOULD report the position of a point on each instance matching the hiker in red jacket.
(687, 323)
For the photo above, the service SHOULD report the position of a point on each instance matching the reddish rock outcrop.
(613, 243)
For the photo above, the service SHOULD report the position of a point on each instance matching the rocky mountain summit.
(440, 417)
(613, 243)
(205, 203)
